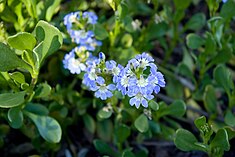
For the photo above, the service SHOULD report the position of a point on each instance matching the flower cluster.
(77, 25)
(101, 76)
(139, 79)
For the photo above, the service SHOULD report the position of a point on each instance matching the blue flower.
(224, 1)
(140, 99)
(91, 16)
(104, 91)
(70, 18)
(74, 65)
(139, 79)
(113, 69)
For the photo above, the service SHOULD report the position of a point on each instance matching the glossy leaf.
(221, 140)
(229, 118)
(42, 90)
(223, 78)
(141, 123)
(31, 7)
(209, 99)
(15, 117)
(89, 123)
(8, 100)
(104, 148)
(22, 41)
(186, 141)
(227, 10)
(128, 153)
(179, 4)
(52, 6)
(18, 77)
(37, 109)
(204, 128)
(47, 126)
(105, 130)
(177, 108)
(122, 132)
(153, 105)
(100, 32)
(194, 41)
(104, 113)
(49, 39)
(9, 60)
(196, 22)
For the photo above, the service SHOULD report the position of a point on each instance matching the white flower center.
(103, 88)
(116, 71)
(142, 82)
(125, 81)
(75, 62)
(92, 75)
(144, 62)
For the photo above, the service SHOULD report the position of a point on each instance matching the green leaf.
(194, 41)
(100, 32)
(52, 6)
(156, 30)
(210, 45)
(22, 41)
(8, 100)
(209, 99)
(153, 105)
(31, 7)
(155, 127)
(230, 131)
(127, 40)
(221, 140)
(9, 59)
(141, 123)
(177, 109)
(227, 10)
(122, 132)
(18, 77)
(204, 128)
(222, 56)
(43, 90)
(113, 4)
(2, 5)
(185, 71)
(196, 22)
(37, 109)
(48, 127)
(32, 59)
(128, 153)
(89, 123)
(179, 4)
(223, 78)
(122, 10)
(104, 113)
(49, 37)
(105, 129)
(103, 148)
(229, 118)
(186, 141)
(15, 117)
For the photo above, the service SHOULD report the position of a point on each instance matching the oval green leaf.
(9, 59)
(47, 126)
(15, 117)
(22, 41)
(8, 100)
(141, 123)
